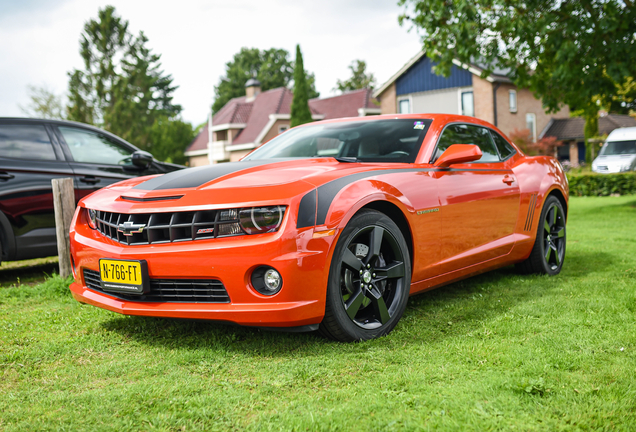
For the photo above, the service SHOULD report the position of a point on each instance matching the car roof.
(622, 134)
(67, 123)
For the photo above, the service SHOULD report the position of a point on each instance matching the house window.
(468, 106)
(404, 106)
(531, 124)
(282, 128)
(512, 100)
(221, 135)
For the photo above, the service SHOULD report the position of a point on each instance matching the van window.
(618, 147)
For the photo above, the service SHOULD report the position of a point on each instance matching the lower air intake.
(169, 290)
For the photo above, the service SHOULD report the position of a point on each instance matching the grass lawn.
(497, 352)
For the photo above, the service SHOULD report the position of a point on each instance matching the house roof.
(200, 141)
(344, 105)
(475, 67)
(254, 116)
(572, 129)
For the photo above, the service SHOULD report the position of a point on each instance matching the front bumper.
(302, 261)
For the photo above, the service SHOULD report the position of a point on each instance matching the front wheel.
(548, 252)
(369, 279)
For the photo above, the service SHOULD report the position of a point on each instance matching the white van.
(618, 154)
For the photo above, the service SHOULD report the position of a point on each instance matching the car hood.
(245, 183)
(614, 163)
(615, 159)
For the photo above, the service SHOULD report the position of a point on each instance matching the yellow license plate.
(124, 276)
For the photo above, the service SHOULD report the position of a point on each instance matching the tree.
(300, 113)
(44, 104)
(122, 87)
(271, 67)
(359, 78)
(169, 139)
(573, 52)
(102, 43)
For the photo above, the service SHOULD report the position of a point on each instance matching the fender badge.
(433, 210)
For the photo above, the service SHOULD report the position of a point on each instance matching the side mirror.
(141, 159)
(458, 153)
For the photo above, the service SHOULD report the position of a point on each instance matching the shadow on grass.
(27, 275)
(426, 314)
(467, 304)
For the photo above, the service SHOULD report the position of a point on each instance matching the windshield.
(618, 148)
(394, 140)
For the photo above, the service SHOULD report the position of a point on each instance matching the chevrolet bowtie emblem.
(129, 228)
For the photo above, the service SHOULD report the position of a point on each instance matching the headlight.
(91, 216)
(258, 220)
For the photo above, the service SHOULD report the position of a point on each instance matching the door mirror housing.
(458, 153)
(141, 159)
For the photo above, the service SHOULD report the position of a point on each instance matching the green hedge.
(602, 184)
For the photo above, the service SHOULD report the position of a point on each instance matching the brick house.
(247, 122)
(415, 88)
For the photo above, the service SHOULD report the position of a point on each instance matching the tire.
(548, 252)
(369, 279)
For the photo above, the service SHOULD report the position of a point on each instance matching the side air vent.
(531, 207)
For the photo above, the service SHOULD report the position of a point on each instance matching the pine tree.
(122, 87)
(300, 112)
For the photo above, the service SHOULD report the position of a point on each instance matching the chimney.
(252, 89)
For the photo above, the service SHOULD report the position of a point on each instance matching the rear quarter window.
(25, 141)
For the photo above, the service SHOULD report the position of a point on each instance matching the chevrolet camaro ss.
(330, 226)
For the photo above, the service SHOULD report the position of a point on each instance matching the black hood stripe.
(195, 177)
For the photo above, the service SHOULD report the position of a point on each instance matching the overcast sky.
(39, 41)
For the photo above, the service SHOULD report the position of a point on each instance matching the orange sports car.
(330, 226)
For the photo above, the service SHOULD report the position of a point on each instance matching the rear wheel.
(548, 253)
(369, 279)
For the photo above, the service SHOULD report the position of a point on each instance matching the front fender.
(355, 196)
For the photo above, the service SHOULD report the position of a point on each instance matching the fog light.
(266, 280)
(272, 280)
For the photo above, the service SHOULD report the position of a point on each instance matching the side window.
(468, 134)
(25, 141)
(91, 147)
(505, 149)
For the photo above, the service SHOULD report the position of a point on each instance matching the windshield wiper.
(347, 159)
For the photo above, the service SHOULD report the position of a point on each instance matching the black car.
(35, 151)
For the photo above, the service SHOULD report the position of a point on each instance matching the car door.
(28, 162)
(97, 159)
(479, 200)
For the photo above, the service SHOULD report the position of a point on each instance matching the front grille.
(169, 290)
(170, 227)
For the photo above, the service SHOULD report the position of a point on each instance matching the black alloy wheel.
(548, 252)
(369, 279)
(554, 237)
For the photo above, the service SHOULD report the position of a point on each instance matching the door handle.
(89, 179)
(6, 176)
(508, 179)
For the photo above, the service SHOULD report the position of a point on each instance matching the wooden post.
(64, 205)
